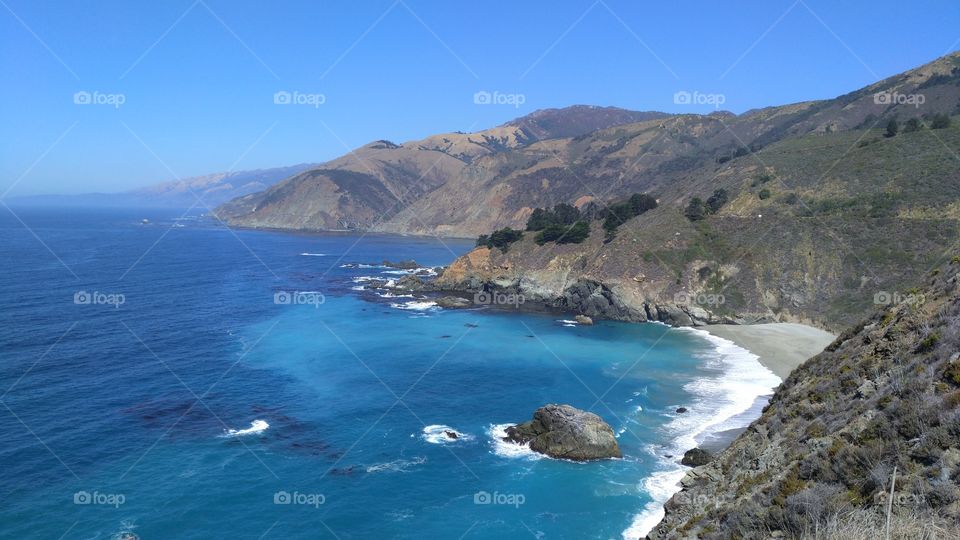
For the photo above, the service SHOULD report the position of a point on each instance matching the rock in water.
(583, 319)
(562, 431)
(681, 410)
(453, 302)
(696, 457)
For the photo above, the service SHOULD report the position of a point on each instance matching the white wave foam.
(437, 434)
(567, 322)
(257, 426)
(397, 465)
(508, 449)
(313, 254)
(415, 305)
(740, 380)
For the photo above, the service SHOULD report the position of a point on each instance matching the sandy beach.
(780, 346)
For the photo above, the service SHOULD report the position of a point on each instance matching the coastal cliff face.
(884, 397)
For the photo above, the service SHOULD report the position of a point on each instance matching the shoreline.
(757, 358)
(780, 347)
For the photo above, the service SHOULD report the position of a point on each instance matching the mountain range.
(825, 211)
(206, 191)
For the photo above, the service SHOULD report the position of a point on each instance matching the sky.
(109, 95)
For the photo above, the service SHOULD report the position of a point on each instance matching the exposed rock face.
(562, 431)
(453, 302)
(584, 320)
(696, 457)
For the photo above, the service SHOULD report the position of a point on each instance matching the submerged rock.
(696, 457)
(402, 265)
(562, 431)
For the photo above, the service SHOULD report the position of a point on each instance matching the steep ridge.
(463, 184)
(876, 412)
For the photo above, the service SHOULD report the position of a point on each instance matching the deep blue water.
(127, 406)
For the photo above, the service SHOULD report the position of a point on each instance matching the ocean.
(173, 378)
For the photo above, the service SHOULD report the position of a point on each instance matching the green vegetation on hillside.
(500, 238)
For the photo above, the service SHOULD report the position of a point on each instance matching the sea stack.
(565, 432)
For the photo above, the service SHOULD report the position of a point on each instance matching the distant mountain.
(212, 190)
(463, 184)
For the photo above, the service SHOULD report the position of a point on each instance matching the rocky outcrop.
(453, 302)
(884, 396)
(696, 457)
(564, 432)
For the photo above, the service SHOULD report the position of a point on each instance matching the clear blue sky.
(198, 78)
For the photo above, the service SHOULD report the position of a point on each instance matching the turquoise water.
(201, 408)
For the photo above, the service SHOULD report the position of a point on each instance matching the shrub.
(912, 125)
(939, 121)
(892, 128)
(641, 202)
(764, 194)
(483, 240)
(696, 209)
(717, 200)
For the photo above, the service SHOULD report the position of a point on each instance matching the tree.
(577, 233)
(892, 128)
(539, 219)
(564, 234)
(502, 238)
(912, 125)
(483, 240)
(615, 215)
(696, 209)
(641, 202)
(717, 200)
(566, 214)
